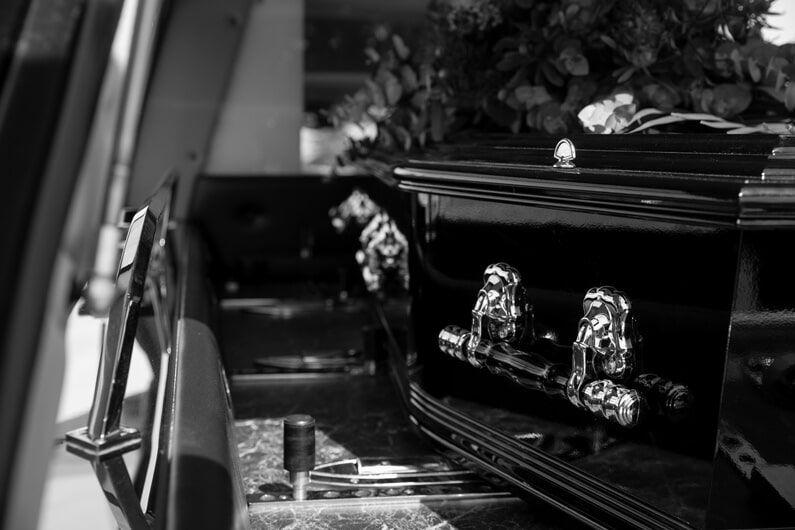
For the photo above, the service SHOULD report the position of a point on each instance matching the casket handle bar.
(383, 253)
(601, 376)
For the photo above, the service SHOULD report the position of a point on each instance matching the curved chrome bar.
(612, 401)
(502, 307)
(604, 347)
(601, 378)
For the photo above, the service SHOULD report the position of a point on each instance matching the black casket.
(607, 322)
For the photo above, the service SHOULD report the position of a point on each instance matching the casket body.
(695, 230)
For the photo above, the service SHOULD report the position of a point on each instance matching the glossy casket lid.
(746, 181)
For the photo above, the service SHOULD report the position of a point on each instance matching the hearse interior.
(494, 330)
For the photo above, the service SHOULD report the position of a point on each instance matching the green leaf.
(516, 125)
(385, 138)
(754, 70)
(372, 55)
(721, 124)
(552, 75)
(520, 77)
(402, 136)
(610, 42)
(737, 59)
(400, 47)
(392, 89)
(513, 102)
(510, 61)
(643, 113)
(376, 94)
(624, 74)
(574, 61)
(730, 99)
(551, 119)
(658, 121)
(506, 43)
(420, 99)
(577, 65)
(531, 96)
(408, 78)
(778, 95)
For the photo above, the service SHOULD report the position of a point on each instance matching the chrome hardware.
(386, 480)
(358, 207)
(383, 473)
(602, 375)
(604, 349)
(502, 301)
(609, 400)
(529, 370)
(384, 254)
(383, 257)
(565, 154)
(613, 402)
(607, 331)
(665, 397)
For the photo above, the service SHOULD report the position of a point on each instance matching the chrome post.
(104, 440)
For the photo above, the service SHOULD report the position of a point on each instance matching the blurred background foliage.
(559, 66)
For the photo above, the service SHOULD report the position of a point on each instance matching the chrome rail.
(601, 376)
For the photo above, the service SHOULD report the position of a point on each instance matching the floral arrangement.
(559, 66)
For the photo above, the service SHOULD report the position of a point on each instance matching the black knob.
(299, 443)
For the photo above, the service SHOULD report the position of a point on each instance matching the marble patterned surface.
(356, 416)
(496, 514)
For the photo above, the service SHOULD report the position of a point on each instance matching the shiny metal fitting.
(502, 308)
(358, 208)
(608, 330)
(666, 398)
(565, 154)
(453, 340)
(384, 256)
(604, 348)
(614, 402)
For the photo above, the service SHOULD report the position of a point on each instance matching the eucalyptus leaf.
(552, 75)
(409, 78)
(400, 47)
(531, 96)
(392, 89)
(657, 122)
(377, 95)
(754, 71)
(372, 55)
(643, 113)
(510, 61)
(625, 75)
(722, 124)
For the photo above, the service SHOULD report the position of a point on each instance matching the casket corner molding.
(767, 205)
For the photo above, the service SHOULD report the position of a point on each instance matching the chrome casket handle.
(601, 376)
(383, 256)
(604, 398)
